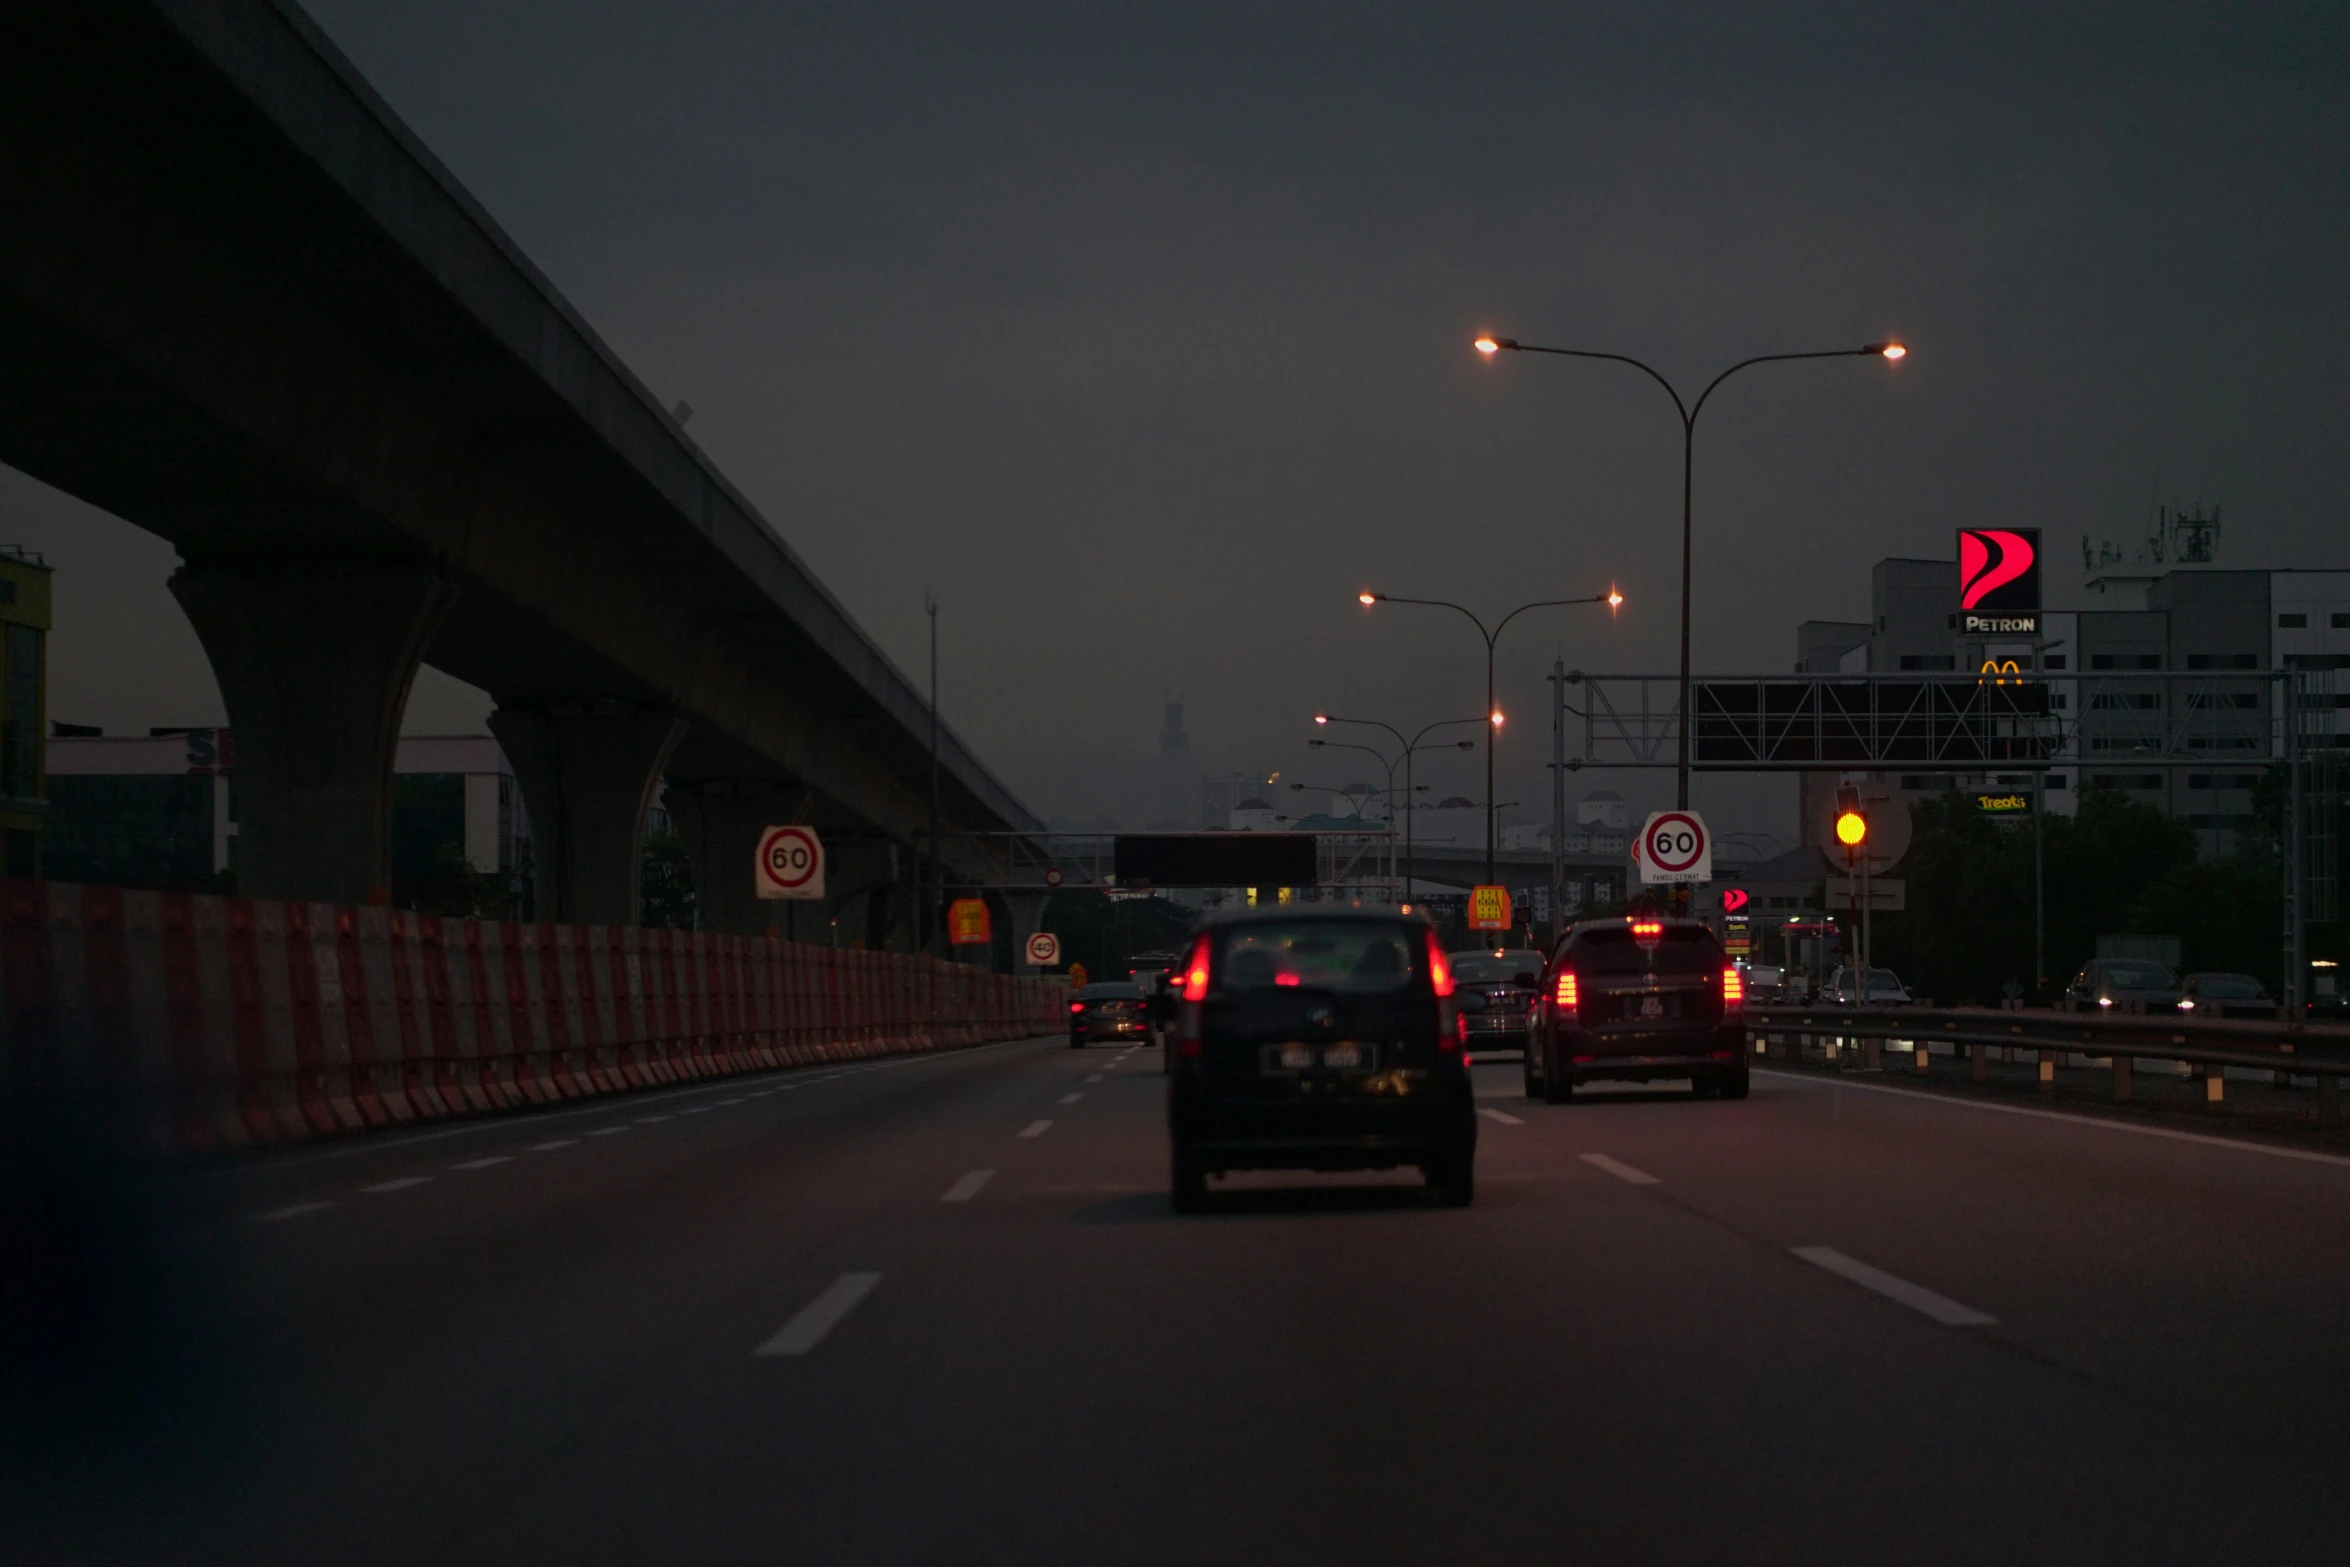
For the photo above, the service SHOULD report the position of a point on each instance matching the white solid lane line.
(400, 1185)
(608, 1131)
(723, 1103)
(968, 1187)
(560, 1142)
(1503, 1116)
(1618, 1169)
(1036, 1128)
(1916, 1297)
(819, 1317)
(293, 1210)
(483, 1164)
(648, 1120)
(1070, 1099)
(2096, 1122)
(698, 1110)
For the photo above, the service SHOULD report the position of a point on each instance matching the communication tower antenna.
(2196, 534)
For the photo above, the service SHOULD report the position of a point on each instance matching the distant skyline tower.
(1174, 795)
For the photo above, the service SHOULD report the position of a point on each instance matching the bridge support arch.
(588, 773)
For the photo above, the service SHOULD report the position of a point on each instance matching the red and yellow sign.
(968, 924)
(1489, 908)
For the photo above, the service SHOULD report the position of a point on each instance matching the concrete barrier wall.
(224, 1023)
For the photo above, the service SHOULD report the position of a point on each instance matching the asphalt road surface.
(938, 1311)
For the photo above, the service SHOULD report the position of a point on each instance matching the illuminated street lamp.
(1611, 598)
(1490, 346)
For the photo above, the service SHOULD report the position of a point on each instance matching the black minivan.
(1313, 1039)
(1638, 999)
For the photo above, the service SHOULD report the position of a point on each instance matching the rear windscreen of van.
(1340, 955)
(1684, 949)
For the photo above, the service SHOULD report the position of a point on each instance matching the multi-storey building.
(24, 709)
(2164, 688)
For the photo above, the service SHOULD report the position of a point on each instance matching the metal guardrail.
(2318, 1052)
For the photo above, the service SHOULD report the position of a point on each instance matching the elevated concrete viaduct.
(243, 307)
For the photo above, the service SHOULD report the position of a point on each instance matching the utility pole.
(1558, 796)
(934, 888)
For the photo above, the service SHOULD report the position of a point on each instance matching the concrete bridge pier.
(314, 661)
(864, 883)
(720, 820)
(1024, 912)
(588, 772)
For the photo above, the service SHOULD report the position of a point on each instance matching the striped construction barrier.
(227, 1023)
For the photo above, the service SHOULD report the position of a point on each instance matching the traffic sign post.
(1489, 908)
(1674, 848)
(1044, 949)
(968, 924)
(789, 863)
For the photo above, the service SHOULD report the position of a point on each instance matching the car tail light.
(1565, 995)
(1076, 1006)
(1733, 989)
(1648, 932)
(1195, 972)
(1439, 969)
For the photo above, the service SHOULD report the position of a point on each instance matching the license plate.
(1344, 1058)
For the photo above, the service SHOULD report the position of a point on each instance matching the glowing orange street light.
(1497, 718)
(1368, 598)
(1615, 601)
(1321, 718)
(1488, 345)
(1889, 350)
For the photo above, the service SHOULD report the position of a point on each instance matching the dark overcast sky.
(1140, 333)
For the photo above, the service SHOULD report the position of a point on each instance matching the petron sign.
(1489, 908)
(1999, 581)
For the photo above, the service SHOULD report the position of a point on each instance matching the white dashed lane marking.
(293, 1210)
(967, 1187)
(1036, 1128)
(1503, 1116)
(724, 1102)
(1618, 1169)
(1916, 1297)
(400, 1185)
(698, 1110)
(648, 1120)
(560, 1142)
(483, 1164)
(1097, 1077)
(608, 1131)
(819, 1317)
(1070, 1099)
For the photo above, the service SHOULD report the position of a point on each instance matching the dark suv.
(1494, 991)
(1309, 1040)
(1638, 999)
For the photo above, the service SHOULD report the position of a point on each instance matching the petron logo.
(1999, 581)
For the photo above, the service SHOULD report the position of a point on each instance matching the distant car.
(2109, 982)
(1322, 1040)
(2226, 995)
(1638, 999)
(1494, 991)
(1884, 989)
(1112, 1011)
(1765, 982)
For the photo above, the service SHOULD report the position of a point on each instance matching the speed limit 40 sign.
(1674, 847)
(790, 863)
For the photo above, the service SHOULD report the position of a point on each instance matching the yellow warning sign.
(1489, 908)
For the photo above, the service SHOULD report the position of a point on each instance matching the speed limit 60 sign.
(1674, 847)
(790, 863)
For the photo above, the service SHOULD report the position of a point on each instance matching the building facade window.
(2293, 622)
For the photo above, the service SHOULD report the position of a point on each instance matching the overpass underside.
(241, 307)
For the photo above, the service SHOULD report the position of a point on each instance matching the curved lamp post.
(1411, 748)
(1611, 598)
(1491, 346)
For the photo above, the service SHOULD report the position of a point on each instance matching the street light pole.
(1411, 748)
(933, 895)
(1611, 598)
(1388, 793)
(1491, 346)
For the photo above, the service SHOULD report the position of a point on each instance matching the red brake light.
(1733, 989)
(1195, 972)
(1439, 968)
(1567, 999)
(1076, 1006)
(1648, 932)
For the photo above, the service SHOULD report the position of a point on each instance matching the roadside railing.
(2291, 1051)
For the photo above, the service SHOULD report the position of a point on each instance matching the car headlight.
(2105, 1001)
